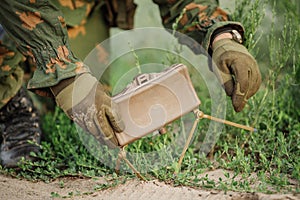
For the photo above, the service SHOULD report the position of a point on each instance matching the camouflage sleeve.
(198, 19)
(39, 31)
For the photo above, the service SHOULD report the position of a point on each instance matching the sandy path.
(15, 189)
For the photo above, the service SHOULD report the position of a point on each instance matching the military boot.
(19, 126)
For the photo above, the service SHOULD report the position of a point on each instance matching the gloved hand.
(237, 71)
(84, 101)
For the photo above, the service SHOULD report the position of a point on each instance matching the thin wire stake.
(201, 115)
(118, 163)
(187, 144)
(122, 156)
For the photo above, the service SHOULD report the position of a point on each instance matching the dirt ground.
(83, 188)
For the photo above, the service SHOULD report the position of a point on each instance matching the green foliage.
(62, 153)
(250, 14)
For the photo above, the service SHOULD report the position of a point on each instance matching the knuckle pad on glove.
(116, 121)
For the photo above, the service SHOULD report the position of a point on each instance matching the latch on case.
(143, 78)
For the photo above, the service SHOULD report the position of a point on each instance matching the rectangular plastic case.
(154, 100)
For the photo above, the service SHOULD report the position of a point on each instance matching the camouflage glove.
(237, 71)
(84, 101)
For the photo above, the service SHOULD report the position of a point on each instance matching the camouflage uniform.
(45, 30)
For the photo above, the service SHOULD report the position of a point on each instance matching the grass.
(266, 161)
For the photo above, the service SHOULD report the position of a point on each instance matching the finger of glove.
(224, 76)
(114, 118)
(254, 77)
(229, 87)
(105, 127)
(221, 69)
(111, 109)
(247, 80)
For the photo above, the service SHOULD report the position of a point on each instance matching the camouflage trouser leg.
(11, 75)
(10, 85)
(15, 71)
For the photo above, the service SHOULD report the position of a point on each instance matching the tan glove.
(237, 71)
(84, 101)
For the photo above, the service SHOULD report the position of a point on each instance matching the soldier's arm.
(222, 39)
(39, 31)
(199, 19)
